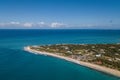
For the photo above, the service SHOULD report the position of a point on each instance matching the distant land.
(101, 57)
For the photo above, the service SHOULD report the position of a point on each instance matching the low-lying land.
(106, 55)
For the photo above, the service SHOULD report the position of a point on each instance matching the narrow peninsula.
(101, 57)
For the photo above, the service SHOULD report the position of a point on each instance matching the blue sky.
(40, 14)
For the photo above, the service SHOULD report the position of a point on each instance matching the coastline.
(86, 64)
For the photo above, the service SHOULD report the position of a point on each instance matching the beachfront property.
(107, 55)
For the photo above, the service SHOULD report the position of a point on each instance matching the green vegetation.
(101, 54)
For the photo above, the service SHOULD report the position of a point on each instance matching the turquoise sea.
(16, 64)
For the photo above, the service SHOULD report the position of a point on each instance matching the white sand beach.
(86, 64)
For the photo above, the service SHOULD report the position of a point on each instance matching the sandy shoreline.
(93, 66)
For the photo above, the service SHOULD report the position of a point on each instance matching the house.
(98, 55)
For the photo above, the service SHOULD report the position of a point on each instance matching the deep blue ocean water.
(16, 64)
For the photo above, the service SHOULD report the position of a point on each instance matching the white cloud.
(9, 24)
(32, 25)
(15, 23)
(42, 25)
(27, 24)
(56, 24)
